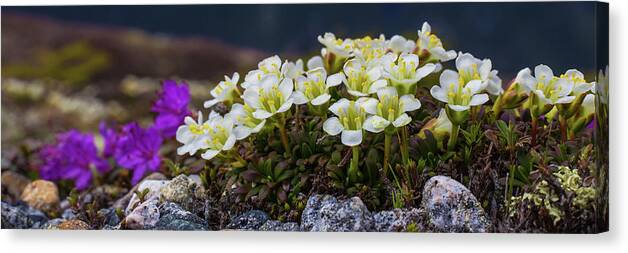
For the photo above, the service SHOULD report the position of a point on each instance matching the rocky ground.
(179, 204)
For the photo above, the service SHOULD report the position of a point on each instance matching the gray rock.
(52, 224)
(323, 213)
(109, 216)
(173, 217)
(180, 190)
(153, 186)
(144, 216)
(21, 217)
(68, 214)
(251, 220)
(451, 207)
(399, 220)
(123, 202)
(273, 225)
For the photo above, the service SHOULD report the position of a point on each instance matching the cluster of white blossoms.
(370, 84)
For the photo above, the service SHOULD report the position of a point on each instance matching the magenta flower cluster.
(75, 157)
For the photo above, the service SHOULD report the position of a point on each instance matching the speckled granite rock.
(154, 187)
(21, 217)
(123, 202)
(42, 195)
(251, 220)
(173, 217)
(52, 224)
(399, 220)
(451, 207)
(324, 213)
(273, 225)
(180, 190)
(144, 216)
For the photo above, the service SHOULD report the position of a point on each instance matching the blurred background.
(72, 66)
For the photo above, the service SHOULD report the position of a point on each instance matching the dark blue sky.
(513, 35)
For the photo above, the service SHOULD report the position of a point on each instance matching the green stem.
(387, 142)
(353, 167)
(405, 155)
(453, 139)
(283, 135)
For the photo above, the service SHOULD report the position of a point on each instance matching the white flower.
(404, 72)
(601, 86)
(549, 89)
(223, 91)
(471, 68)
(292, 70)
(269, 66)
(270, 97)
(398, 44)
(349, 121)
(315, 87)
(370, 50)
(430, 44)
(193, 134)
(389, 109)
(360, 80)
(220, 135)
(246, 124)
(576, 78)
(458, 95)
(340, 48)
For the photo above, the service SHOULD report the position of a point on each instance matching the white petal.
(478, 99)
(465, 62)
(459, 108)
(251, 97)
(565, 100)
(375, 124)
(335, 79)
(356, 93)
(409, 103)
(448, 77)
(375, 86)
(543, 73)
(387, 91)
(241, 132)
(374, 74)
(369, 104)
(229, 142)
(526, 80)
(209, 154)
(485, 68)
(439, 93)
(315, 62)
(210, 103)
(476, 86)
(402, 120)
(262, 114)
(332, 126)
(351, 137)
(299, 98)
(565, 87)
(285, 106)
(340, 105)
(425, 70)
(286, 87)
(321, 99)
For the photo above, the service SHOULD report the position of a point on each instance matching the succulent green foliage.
(269, 178)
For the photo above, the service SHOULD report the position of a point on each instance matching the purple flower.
(137, 149)
(110, 137)
(171, 107)
(72, 157)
